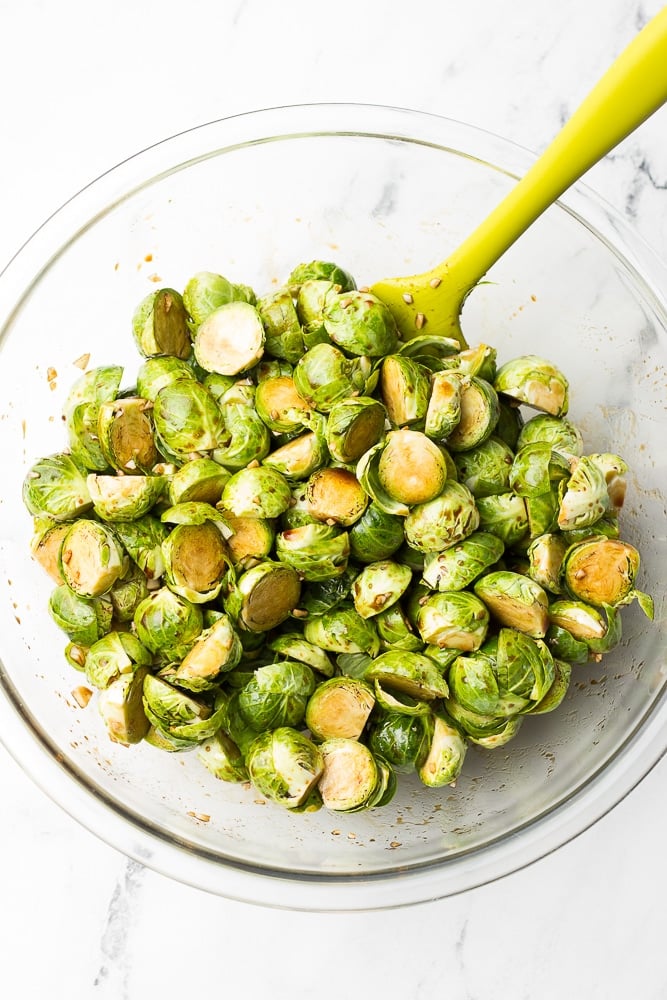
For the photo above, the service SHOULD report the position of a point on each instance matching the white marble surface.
(84, 85)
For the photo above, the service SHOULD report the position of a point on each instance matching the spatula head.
(424, 303)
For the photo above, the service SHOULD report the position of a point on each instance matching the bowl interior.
(390, 194)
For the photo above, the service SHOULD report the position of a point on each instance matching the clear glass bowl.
(382, 191)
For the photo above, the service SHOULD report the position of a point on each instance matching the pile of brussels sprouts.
(318, 555)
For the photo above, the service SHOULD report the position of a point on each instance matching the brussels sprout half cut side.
(230, 340)
(284, 765)
(339, 707)
(91, 558)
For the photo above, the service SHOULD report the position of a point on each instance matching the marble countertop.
(85, 85)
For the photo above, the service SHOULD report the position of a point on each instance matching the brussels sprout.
(76, 654)
(216, 651)
(505, 731)
(536, 382)
(441, 656)
(586, 624)
(284, 765)
(187, 419)
(246, 437)
(474, 725)
(515, 600)
(321, 270)
(256, 492)
(221, 756)
(558, 432)
(479, 414)
(556, 693)
(284, 337)
(564, 646)
(235, 725)
(335, 495)
(444, 521)
(219, 385)
(121, 708)
(444, 406)
(503, 515)
(324, 376)
(160, 325)
(301, 457)
(158, 738)
(542, 514)
(339, 708)
(83, 621)
(112, 655)
(311, 297)
(360, 324)
(45, 545)
(126, 438)
(443, 752)
(409, 673)
(368, 474)
(142, 540)
(91, 558)
(293, 646)
(510, 423)
(249, 539)
(350, 776)
(405, 390)
(602, 571)
(456, 620)
(325, 595)
(196, 558)
(399, 702)
(178, 714)
(354, 425)
(399, 739)
(458, 566)
(127, 594)
(230, 340)
(264, 596)
(315, 551)
(168, 624)
(342, 630)
(376, 535)
(81, 414)
(201, 480)
(379, 585)
(124, 498)
(607, 526)
(485, 469)
(473, 684)
(613, 469)
(412, 468)
(205, 292)
(584, 498)
(545, 557)
(524, 670)
(280, 406)
(277, 695)
(159, 371)
(55, 487)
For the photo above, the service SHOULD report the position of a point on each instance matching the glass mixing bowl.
(382, 192)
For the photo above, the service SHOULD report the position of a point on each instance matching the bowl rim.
(613, 781)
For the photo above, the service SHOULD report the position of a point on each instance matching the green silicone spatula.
(630, 91)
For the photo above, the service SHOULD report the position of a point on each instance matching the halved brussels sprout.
(598, 630)
(264, 596)
(368, 474)
(45, 545)
(335, 495)
(277, 695)
(564, 646)
(91, 558)
(206, 291)
(120, 705)
(126, 436)
(168, 624)
(301, 457)
(399, 702)
(83, 621)
(56, 487)
(444, 521)
(505, 731)
(160, 325)
(440, 761)
(510, 422)
(399, 739)
(479, 414)
(201, 480)
(536, 382)
(251, 539)
(379, 585)
(196, 557)
(246, 437)
(280, 406)
(558, 432)
(524, 669)
(396, 631)
(256, 492)
(602, 571)
(455, 619)
(409, 673)
(515, 600)
(350, 777)
(459, 565)
(412, 468)
(216, 651)
(124, 498)
(142, 540)
(282, 330)
(314, 551)
(81, 411)
(405, 390)
(473, 683)
(187, 419)
(127, 594)
(342, 630)
(284, 765)
(485, 469)
(159, 371)
(503, 515)
(339, 707)
(311, 297)
(375, 535)
(324, 376)
(324, 595)
(360, 323)
(112, 655)
(321, 270)
(556, 693)
(354, 425)
(545, 557)
(230, 340)
(221, 756)
(293, 646)
(444, 406)
(176, 713)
